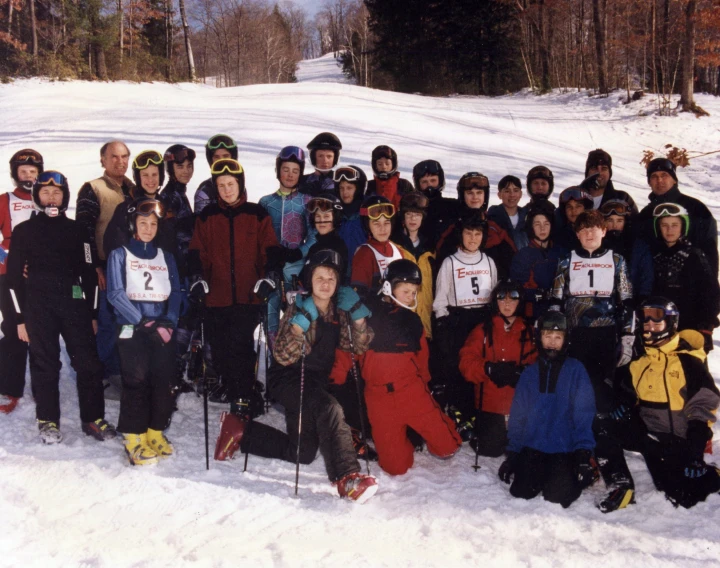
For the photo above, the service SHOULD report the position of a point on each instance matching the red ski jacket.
(15, 207)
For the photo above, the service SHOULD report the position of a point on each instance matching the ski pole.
(257, 375)
(302, 389)
(477, 446)
(359, 394)
(205, 393)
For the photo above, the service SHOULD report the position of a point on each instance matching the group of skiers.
(556, 336)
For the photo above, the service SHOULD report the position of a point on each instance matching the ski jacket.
(123, 263)
(476, 270)
(316, 183)
(612, 194)
(495, 342)
(289, 216)
(553, 408)
(179, 215)
(351, 231)
(442, 213)
(96, 204)
(392, 188)
(59, 261)
(535, 267)
(595, 290)
(638, 257)
(229, 250)
(498, 215)
(204, 196)
(15, 207)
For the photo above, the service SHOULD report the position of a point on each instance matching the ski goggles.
(292, 153)
(573, 194)
(220, 141)
(30, 158)
(346, 174)
(226, 166)
(509, 295)
(383, 152)
(52, 177)
(615, 208)
(669, 210)
(180, 156)
(374, 212)
(474, 180)
(147, 208)
(414, 201)
(427, 167)
(147, 158)
(321, 204)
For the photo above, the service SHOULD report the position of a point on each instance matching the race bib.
(148, 280)
(473, 282)
(20, 210)
(591, 277)
(383, 260)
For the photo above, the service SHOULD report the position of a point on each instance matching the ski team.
(558, 337)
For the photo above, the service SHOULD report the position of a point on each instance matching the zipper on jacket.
(667, 394)
(232, 258)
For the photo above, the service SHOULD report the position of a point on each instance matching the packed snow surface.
(81, 504)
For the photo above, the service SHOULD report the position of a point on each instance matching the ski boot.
(360, 446)
(466, 428)
(7, 403)
(159, 443)
(357, 487)
(100, 429)
(621, 494)
(232, 428)
(49, 432)
(138, 451)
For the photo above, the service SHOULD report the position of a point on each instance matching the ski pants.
(46, 319)
(551, 474)
(323, 427)
(13, 351)
(490, 434)
(594, 347)
(392, 408)
(107, 336)
(148, 370)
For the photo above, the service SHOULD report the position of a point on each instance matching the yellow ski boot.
(138, 450)
(159, 443)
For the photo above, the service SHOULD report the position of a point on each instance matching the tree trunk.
(687, 101)
(545, 85)
(34, 33)
(121, 28)
(188, 46)
(10, 15)
(168, 40)
(600, 48)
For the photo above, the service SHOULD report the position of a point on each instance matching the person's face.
(661, 182)
(471, 239)
(615, 223)
(507, 306)
(650, 327)
(413, 220)
(228, 189)
(591, 238)
(405, 293)
(539, 187)
(541, 227)
(324, 159)
(27, 173)
(50, 196)
(146, 227)
(474, 198)
(347, 192)
(324, 222)
(604, 176)
(428, 181)
(671, 229)
(221, 154)
(324, 283)
(184, 171)
(510, 195)
(289, 174)
(115, 160)
(150, 179)
(383, 165)
(552, 339)
(573, 209)
(380, 229)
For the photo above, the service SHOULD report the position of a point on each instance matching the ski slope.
(80, 503)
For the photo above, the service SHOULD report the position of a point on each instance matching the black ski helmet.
(51, 178)
(431, 167)
(598, 157)
(220, 141)
(144, 207)
(325, 257)
(540, 208)
(26, 157)
(384, 152)
(474, 180)
(145, 159)
(356, 177)
(551, 321)
(540, 172)
(377, 203)
(504, 287)
(657, 309)
(398, 271)
(292, 154)
(228, 167)
(325, 141)
(177, 154)
(325, 202)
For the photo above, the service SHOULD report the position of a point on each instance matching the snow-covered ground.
(80, 504)
(324, 69)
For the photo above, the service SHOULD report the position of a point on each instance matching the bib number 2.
(148, 277)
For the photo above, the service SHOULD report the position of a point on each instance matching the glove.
(508, 467)
(620, 412)
(625, 350)
(264, 288)
(590, 182)
(708, 342)
(292, 255)
(306, 312)
(695, 469)
(698, 433)
(503, 373)
(349, 301)
(198, 290)
(585, 468)
(146, 325)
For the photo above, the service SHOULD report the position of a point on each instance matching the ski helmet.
(429, 167)
(474, 180)
(325, 141)
(374, 207)
(290, 154)
(384, 152)
(661, 165)
(658, 309)
(575, 193)
(26, 157)
(145, 159)
(540, 208)
(325, 202)
(670, 210)
(540, 172)
(56, 179)
(399, 271)
(228, 167)
(551, 321)
(325, 257)
(144, 207)
(507, 288)
(177, 154)
(598, 157)
(414, 202)
(220, 141)
(353, 175)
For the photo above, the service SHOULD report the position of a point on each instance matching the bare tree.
(188, 45)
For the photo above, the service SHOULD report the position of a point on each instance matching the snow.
(324, 69)
(81, 504)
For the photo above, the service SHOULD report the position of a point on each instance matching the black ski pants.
(46, 319)
(490, 434)
(594, 347)
(148, 370)
(551, 474)
(13, 351)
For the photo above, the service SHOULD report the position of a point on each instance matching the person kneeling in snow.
(550, 428)
(329, 318)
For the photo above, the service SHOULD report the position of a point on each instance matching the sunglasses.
(290, 152)
(52, 177)
(473, 180)
(147, 208)
(180, 156)
(573, 195)
(510, 295)
(226, 166)
(221, 141)
(321, 204)
(615, 208)
(346, 174)
(147, 158)
(374, 212)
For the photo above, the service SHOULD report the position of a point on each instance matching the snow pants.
(490, 434)
(107, 336)
(551, 474)
(13, 351)
(323, 427)
(394, 407)
(148, 370)
(594, 347)
(46, 319)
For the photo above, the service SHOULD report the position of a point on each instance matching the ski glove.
(590, 182)
(695, 469)
(586, 470)
(503, 373)
(508, 467)
(625, 350)
(349, 301)
(264, 288)
(292, 255)
(620, 412)
(306, 312)
(198, 291)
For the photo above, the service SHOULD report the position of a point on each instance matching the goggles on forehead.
(51, 177)
(321, 204)
(290, 152)
(346, 174)
(147, 158)
(180, 155)
(226, 166)
(615, 208)
(573, 194)
(31, 158)
(509, 295)
(473, 180)
(147, 208)
(221, 141)
(378, 210)
(383, 152)
(427, 167)
(669, 210)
